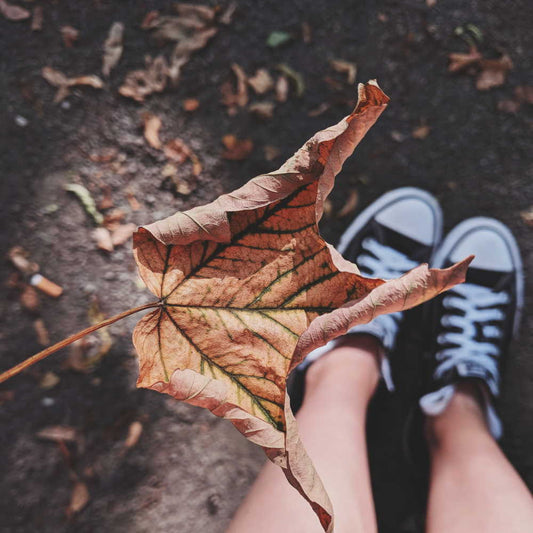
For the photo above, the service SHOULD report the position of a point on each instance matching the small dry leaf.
(152, 125)
(114, 217)
(149, 20)
(134, 203)
(113, 48)
(493, 72)
(421, 132)
(307, 32)
(317, 111)
(13, 12)
(21, 260)
(58, 433)
(178, 151)
(238, 98)
(459, 61)
(105, 155)
(43, 338)
(79, 498)
(49, 381)
(102, 237)
(37, 19)
(261, 82)
(271, 152)
(59, 80)
(29, 299)
(345, 67)
(227, 15)
(263, 110)
(236, 149)
(191, 104)
(134, 434)
(122, 233)
(527, 216)
(70, 35)
(350, 205)
(282, 88)
(138, 84)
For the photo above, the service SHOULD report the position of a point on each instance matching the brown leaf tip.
(370, 95)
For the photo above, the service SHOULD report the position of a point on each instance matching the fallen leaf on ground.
(233, 99)
(63, 83)
(138, 84)
(191, 104)
(79, 498)
(262, 109)
(134, 434)
(37, 19)
(271, 152)
(113, 48)
(278, 38)
(21, 260)
(13, 12)
(29, 299)
(178, 151)
(350, 205)
(58, 433)
(87, 201)
(152, 125)
(49, 381)
(461, 61)
(527, 216)
(317, 111)
(149, 20)
(70, 35)
(113, 218)
(122, 233)
(296, 77)
(282, 88)
(132, 200)
(493, 72)
(102, 237)
(227, 16)
(190, 30)
(345, 67)
(236, 149)
(307, 32)
(247, 287)
(261, 82)
(421, 132)
(43, 338)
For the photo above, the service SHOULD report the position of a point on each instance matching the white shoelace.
(477, 303)
(384, 262)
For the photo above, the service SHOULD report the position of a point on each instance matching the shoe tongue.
(412, 248)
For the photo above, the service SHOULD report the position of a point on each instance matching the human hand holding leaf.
(246, 288)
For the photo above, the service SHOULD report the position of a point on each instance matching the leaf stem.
(69, 340)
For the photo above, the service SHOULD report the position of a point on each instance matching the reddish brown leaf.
(152, 125)
(236, 149)
(70, 35)
(191, 104)
(247, 287)
(238, 98)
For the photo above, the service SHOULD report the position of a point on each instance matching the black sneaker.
(473, 323)
(397, 232)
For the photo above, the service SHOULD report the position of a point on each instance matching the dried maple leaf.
(112, 48)
(247, 287)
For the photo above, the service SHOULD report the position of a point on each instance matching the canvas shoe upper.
(473, 323)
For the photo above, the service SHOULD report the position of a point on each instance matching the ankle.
(352, 366)
(464, 416)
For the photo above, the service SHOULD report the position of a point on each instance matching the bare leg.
(332, 427)
(473, 486)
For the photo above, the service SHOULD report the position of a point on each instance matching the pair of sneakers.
(468, 328)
